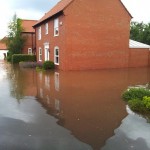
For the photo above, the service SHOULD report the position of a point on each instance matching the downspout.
(32, 41)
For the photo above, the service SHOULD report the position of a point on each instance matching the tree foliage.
(15, 41)
(140, 32)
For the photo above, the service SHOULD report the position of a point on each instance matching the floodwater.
(73, 110)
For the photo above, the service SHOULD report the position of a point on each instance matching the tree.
(15, 41)
(140, 32)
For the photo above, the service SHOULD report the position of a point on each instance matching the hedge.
(16, 58)
(48, 65)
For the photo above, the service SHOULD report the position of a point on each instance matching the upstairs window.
(56, 55)
(39, 33)
(46, 28)
(56, 27)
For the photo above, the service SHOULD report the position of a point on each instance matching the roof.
(135, 44)
(60, 6)
(28, 25)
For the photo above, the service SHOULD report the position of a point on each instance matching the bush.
(16, 58)
(146, 102)
(135, 93)
(137, 105)
(138, 99)
(9, 55)
(48, 65)
(8, 58)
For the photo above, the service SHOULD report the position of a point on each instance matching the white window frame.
(39, 33)
(56, 56)
(56, 27)
(30, 51)
(46, 28)
(40, 54)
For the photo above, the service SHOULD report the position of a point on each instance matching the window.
(56, 27)
(46, 28)
(56, 55)
(40, 54)
(29, 51)
(39, 33)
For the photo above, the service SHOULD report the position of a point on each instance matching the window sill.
(56, 35)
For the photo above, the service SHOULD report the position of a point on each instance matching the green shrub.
(9, 56)
(135, 93)
(48, 65)
(146, 102)
(137, 105)
(16, 58)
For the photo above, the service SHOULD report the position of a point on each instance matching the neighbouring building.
(3, 49)
(87, 34)
(29, 34)
(139, 54)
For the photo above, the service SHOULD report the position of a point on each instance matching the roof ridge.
(60, 6)
(28, 20)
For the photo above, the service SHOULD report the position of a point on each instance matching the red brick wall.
(97, 35)
(93, 35)
(139, 57)
(30, 42)
(53, 41)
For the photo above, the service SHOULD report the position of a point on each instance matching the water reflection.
(25, 125)
(88, 103)
(23, 81)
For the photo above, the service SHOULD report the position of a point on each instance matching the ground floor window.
(56, 55)
(40, 54)
(29, 51)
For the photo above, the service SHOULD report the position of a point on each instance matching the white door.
(47, 53)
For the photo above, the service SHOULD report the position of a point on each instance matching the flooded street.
(73, 110)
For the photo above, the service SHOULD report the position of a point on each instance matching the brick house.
(85, 34)
(3, 48)
(29, 34)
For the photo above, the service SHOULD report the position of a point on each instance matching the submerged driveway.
(24, 124)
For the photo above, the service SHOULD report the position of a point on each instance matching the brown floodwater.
(70, 110)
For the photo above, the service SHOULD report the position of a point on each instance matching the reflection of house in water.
(47, 94)
(87, 103)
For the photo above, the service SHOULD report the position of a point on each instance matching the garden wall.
(139, 57)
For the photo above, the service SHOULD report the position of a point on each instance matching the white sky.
(35, 9)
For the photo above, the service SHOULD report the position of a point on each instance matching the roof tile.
(27, 25)
(60, 6)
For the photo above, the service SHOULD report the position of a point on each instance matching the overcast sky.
(35, 9)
